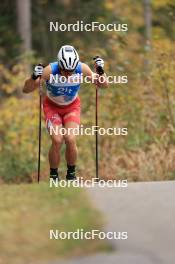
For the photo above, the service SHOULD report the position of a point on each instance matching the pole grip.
(98, 69)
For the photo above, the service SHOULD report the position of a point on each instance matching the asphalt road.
(147, 212)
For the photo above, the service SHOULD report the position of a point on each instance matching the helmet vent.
(69, 61)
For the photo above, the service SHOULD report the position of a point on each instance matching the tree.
(24, 22)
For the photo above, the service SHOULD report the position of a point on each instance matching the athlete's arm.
(94, 77)
(30, 84)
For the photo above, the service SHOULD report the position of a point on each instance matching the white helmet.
(68, 58)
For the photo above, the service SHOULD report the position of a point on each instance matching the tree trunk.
(24, 22)
(23, 9)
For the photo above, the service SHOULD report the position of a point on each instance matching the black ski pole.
(100, 71)
(96, 133)
(39, 129)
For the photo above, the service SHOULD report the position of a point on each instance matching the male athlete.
(61, 105)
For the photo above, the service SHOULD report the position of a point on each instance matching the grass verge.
(29, 211)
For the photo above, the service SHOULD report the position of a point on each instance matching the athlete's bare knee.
(70, 139)
(57, 141)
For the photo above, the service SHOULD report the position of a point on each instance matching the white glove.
(38, 71)
(99, 62)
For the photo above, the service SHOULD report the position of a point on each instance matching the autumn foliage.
(145, 105)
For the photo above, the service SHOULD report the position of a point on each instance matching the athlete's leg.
(53, 123)
(71, 150)
(54, 152)
(71, 121)
(70, 140)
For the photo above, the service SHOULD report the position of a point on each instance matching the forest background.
(145, 105)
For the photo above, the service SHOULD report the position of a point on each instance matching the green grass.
(29, 211)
